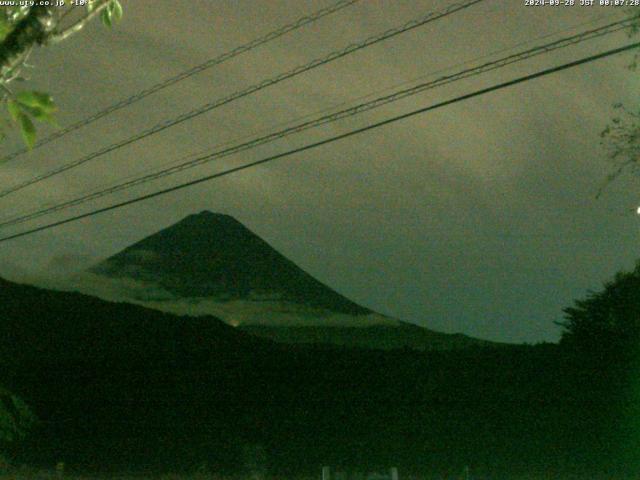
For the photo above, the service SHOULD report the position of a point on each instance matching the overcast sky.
(477, 218)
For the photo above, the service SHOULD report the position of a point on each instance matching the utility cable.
(212, 62)
(342, 136)
(330, 118)
(423, 20)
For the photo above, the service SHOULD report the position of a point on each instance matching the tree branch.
(58, 36)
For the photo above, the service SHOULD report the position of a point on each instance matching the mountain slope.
(215, 256)
(211, 264)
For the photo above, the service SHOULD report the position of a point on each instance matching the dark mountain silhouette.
(214, 255)
(212, 264)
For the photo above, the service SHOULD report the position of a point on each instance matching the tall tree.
(603, 333)
(608, 320)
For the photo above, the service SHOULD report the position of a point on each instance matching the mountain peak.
(214, 255)
(207, 216)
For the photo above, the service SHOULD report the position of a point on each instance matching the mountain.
(211, 264)
(215, 256)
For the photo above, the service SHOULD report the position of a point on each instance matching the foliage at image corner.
(21, 29)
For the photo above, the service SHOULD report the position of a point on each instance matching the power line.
(342, 136)
(325, 119)
(194, 155)
(423, 20)
(212, 62)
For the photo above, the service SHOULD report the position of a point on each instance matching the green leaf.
(116, 12)
(5, 26)
(39, 114)
(14, 110)
(28, 130)
(112, 13)
(105, 16)
(37, 100)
